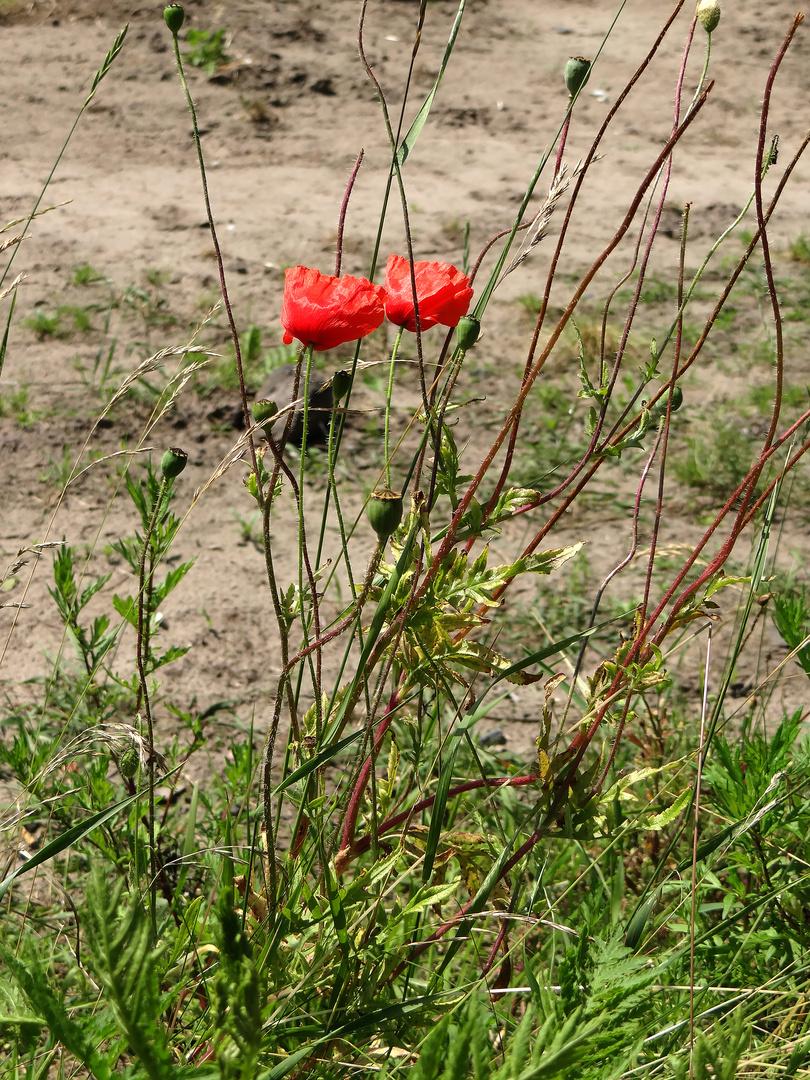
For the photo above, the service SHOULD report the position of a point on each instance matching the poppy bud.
(341, 385)
(263, 410)
(677, 401)
(173, 462)
(174, 17)
(384, 512)
(467, 332)
(128, 762)
(577, 70)
(708, 11)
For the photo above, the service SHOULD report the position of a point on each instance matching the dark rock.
(278, 387)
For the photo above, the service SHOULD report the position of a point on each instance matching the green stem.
(142, 650)
(388, 406)
(220, 265)
(316, 670)
(344, 547)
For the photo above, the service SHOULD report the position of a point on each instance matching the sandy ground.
(283, 124)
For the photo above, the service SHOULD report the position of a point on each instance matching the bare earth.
(282, 126)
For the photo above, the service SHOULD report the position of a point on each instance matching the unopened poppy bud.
(341, 385)
(708, 11)
(173, 462)
(263, 410)
(467, 332)
(384, 512)
(128, 761)
(577, 70)
(174, 17)
(677, 400)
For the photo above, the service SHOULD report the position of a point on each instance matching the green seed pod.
(708, 11)
(128, 762)
(467, 332)
(384, 512)
(677, 399)
(341, 385)
(174, 17)
(263, 410)
(173, 462)
(577, 70)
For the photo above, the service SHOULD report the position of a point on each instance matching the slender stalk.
(141, 654)
(220, 265)
(695, 837)
(388, 396)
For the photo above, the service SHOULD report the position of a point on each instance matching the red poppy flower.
(324, 311)
(444, 293)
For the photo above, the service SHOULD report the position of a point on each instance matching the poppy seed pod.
(173, 462)
(384, 512)
(467, 332)
(128, 761)
(263, 410)
(174, 17)
(577, 70)
(341, 385)
(708, 11)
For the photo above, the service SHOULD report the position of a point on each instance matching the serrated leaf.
(635, 777)
(510, 501)
(659, 821)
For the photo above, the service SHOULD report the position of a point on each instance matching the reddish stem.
(364, 843)
(344, 207)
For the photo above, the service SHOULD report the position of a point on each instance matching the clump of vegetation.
(206, 50)
(365, 883)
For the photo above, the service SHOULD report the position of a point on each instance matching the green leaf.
(430, 894)
(34, 984)
(412, 135)
(659, 821)
(119, 937)
(126, 608)
(72, 836)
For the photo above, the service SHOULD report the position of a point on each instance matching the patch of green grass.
(793, 397)
(84, 275)
(45, 324)
(716, 459)
(57, 470)
(60, 323)
(531, 304)
(206, 49)
(658, 291)
(17, 404)
(800, 250)
(248, 533)
(80, 316)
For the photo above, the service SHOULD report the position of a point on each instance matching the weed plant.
(366, 886)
